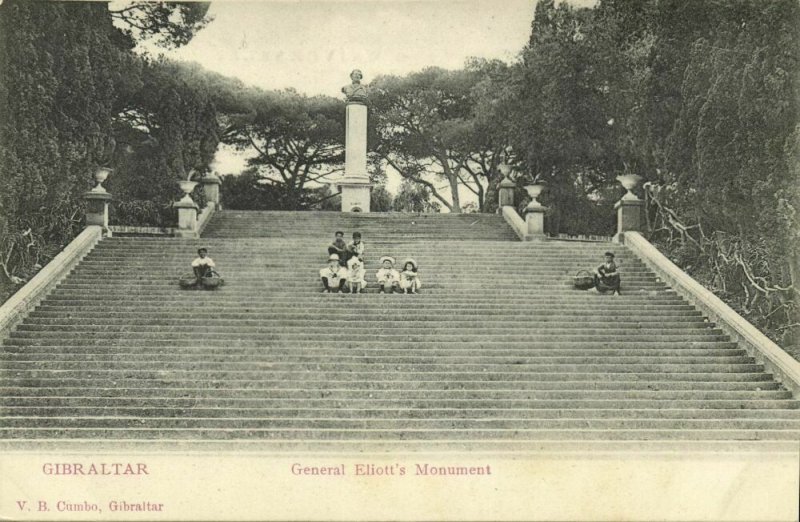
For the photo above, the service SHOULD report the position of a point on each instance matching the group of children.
(346, 271)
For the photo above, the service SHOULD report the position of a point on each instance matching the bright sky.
(312, 45)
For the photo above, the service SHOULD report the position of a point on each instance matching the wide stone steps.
(105, 387)
(497, 347)
(274, 425)
(223, 364)
(398, 436)
(277, 224)
(481, 394)
(43, 353)
(256, 342)
(385, 322)
(397, 403)
(95, 338)
(440, 414)
(410, 314)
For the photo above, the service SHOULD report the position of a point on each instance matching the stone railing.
(190, 223)
(782, 365)
(532, 227)
(629, 224)
(515, 221)
(13, 311)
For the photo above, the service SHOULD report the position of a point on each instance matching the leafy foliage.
(171, 24)
(299, 139)
(69, 84)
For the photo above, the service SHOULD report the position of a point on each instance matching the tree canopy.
(70, 88)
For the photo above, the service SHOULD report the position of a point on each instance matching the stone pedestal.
(97, 208)
(506, 193)
(355, 185)
(629, 216)
(211, 184)
(534, 220)
(355, 196)
(187, 218)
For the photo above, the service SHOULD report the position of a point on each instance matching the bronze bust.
(355, 92)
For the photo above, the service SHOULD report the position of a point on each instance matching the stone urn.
(187, 187)
(630, 182)
(100, 175)
(534, 189)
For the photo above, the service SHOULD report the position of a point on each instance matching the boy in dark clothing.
(606, 277)
(339, 247)
(356, 248)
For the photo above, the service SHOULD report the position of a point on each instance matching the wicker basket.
(213, 281)
(187, 281)
(583, 280)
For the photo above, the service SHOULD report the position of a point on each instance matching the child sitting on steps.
(333, 276)
(409, 278)
(388, 278)
(355, 275)
(202, 265)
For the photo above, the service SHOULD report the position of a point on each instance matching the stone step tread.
(393, 424)
(335, 375)
(81, 338)
(401, 413)
(225, 363)
(485, 436)
(47, 387)
(378, 326)
(669, 313)
(484, 394)
(422, 404)
(398, 369)
(201, 351)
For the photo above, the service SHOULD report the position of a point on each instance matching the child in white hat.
(355, 275)
(409, 278)
(334, 276)
(388, 278)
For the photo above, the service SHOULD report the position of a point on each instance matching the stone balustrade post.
(629, 208)
(534, 219)
(211, 183)
(97, 202)
(534, 212)
(187, 211)
(506, 193)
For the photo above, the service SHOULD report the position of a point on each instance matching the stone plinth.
(187, 218)
(505, 193)
(629, 217)
(355, 196)
(355, 163)
(210, 183)
(534, 220)
(355, 185)
(97, 208)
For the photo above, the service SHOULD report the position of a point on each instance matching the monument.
(355, 185)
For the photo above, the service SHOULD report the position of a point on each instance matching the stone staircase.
(498, 348)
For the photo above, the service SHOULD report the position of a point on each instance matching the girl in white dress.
(410, 281)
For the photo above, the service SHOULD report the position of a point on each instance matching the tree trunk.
(490, 198)
(453, 179)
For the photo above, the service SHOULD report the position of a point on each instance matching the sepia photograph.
(400, 260)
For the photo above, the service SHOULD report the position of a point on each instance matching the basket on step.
(212, 281)
(187, 281)
(583, 280)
